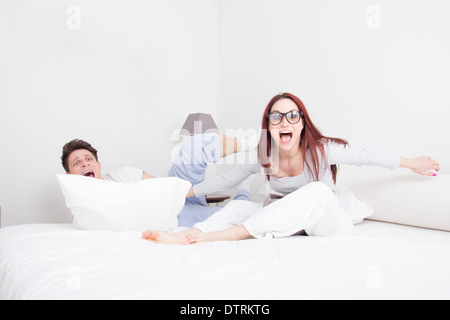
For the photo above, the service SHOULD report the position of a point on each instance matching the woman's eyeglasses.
(292, 117)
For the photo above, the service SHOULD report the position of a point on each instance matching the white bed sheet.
(379, 261)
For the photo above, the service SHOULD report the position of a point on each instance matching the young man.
(79, 157)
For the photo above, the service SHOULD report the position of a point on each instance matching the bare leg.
(230, 234)
(168, 237)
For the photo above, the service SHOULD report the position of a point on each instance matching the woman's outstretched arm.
(420, 165)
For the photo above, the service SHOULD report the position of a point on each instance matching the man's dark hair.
(73, 145)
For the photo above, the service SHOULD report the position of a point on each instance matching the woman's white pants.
(313, 208)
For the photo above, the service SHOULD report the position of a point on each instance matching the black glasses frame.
(285, 115)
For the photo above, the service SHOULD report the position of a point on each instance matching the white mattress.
(379, 261)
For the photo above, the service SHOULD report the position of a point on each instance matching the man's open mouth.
(285, 136)
(89, 173)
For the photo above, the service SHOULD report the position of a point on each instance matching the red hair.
(311, 140)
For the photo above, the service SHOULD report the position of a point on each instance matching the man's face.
(83, 162)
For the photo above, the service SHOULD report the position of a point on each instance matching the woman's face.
(286, 135)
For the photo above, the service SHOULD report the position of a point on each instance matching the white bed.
(380, 260)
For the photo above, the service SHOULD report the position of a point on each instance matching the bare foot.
(168, 237)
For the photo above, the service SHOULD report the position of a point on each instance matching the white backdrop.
(373, 72)
(123, 75)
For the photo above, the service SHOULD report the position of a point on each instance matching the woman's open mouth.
(285, 136)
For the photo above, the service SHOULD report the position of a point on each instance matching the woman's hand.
(421, 165)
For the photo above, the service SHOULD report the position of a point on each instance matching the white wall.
(122, 75)
(374, 72)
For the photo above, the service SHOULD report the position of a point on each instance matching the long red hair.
(311, 140)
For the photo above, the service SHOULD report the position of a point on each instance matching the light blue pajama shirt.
(190, 165)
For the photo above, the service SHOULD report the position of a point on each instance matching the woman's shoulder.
(329, 145)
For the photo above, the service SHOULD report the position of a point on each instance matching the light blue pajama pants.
(190, 165)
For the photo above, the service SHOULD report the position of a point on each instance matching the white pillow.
(138, 206)
(401, 196)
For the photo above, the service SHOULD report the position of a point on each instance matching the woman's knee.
(319, 187)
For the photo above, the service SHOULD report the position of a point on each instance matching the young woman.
(300, 166)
